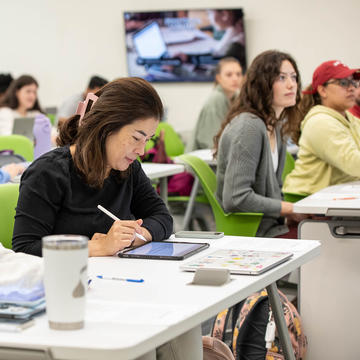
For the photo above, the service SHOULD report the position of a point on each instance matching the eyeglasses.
(345, 83)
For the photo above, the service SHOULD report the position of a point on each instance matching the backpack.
(8, 157)
(215, 349)
(179, 184)
(244, 325)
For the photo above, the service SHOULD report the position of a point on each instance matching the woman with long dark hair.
(96, 164)
(251, 145)
(20, 100)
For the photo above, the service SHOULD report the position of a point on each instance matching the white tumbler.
(65, 280)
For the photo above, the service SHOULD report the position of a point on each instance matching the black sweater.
(55, 200)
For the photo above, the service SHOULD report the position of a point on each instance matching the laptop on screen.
(24, 126)
(149, 42)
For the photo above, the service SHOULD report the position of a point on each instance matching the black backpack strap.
(249, 332)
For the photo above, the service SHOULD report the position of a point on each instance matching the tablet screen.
(165, 250)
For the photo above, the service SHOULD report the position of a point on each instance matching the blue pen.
(120, 279)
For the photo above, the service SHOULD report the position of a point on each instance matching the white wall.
(62, 43)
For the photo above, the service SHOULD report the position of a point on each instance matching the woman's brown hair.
(308, 101)
(120, 103)
(10, 98)
(256, 96)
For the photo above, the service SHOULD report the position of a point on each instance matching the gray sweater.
(246, 181)
(212, 114)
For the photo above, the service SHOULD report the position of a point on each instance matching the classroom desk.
(125, 320)
(161, 172)
(207, 156)
(329, 291)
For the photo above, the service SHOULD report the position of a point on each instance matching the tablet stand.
(211, 277)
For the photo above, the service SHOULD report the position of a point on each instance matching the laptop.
(247, 262)
(24, 126)
(149, 42)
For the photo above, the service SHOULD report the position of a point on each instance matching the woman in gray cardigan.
(251, 145)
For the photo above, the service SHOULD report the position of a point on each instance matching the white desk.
(207, 156)
(125, 320)
(162, 171)
(203, 154)
(329, 291)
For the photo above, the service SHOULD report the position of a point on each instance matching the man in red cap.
(329, 145)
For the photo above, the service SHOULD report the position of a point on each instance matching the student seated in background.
(10, 171)
(251, 145)
(96, 164)
(5, 81)
(68, 107)
(20, 100)
(329, 145)
(228, 79)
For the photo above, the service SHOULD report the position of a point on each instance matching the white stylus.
(108, 213)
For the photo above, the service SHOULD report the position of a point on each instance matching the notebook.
(24, 126)
(248, 262)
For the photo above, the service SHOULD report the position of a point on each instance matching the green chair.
(9, 194)
(288, 167)
(173, 143)
(52, 118)
(240, 224)
(293, 197)
(21, 145)
(173, 147)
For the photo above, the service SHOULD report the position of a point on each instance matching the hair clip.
(85, 106)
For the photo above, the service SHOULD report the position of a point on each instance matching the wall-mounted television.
(183, 45)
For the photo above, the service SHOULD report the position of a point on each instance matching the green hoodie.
(329, 151)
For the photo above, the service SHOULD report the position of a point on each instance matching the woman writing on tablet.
(96, 165)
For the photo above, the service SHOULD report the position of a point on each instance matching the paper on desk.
(135, 313)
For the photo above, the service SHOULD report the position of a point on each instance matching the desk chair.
(288, 167)
(173, 143)
(21, 145)
(9, 194)
(293, 197)
(174, 147)
(240, 224)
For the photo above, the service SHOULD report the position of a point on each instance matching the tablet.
(164, 250)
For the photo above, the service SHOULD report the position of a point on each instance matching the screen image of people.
(182, 45)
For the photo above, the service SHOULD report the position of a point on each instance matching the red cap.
(333, 69)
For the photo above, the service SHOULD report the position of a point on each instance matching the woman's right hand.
(287, 210)
(120, 236)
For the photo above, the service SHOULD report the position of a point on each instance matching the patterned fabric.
(248, 326)
(292, 319)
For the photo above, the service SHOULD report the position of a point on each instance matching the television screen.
(182, 45)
